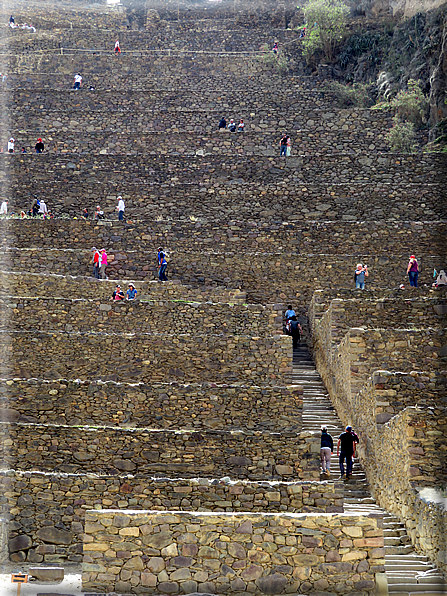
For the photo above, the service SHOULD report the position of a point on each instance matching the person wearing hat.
(11, 145)
(131, 293)
(39, 146)
(413, 271)
(118, 294)
(346, 450)
(95, 260)
(120, 208)
(103, 263)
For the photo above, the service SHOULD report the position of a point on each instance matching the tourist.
(131, 293)
(303, 33)
(23, 150)
(11, 20)
(4, 208)
(283, 145)
(99, 214)
(11, 145)
(103, 263)
(326, 450)
(43, 209)
(295, 329)
(289, 312)
(222, 123)
(39, 146)
(34, 207)
(117, 48)
(118, 294)
(413, 271)
(275, 47)
(95, 261)
(120, 208)
(346, 451)
(162, 265)
(441, 279)
(360, 273)
(85, 213)
(241, 125)
(77, 81)
(232, 126)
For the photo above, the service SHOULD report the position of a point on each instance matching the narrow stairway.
(408, 573)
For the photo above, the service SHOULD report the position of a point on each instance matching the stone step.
(409, 559)
(399, 550)
(394, 531)
(415, 591)
(405, 566)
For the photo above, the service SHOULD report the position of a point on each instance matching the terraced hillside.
(170, 445)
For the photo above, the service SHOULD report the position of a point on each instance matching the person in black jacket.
(326, 450)
(295, 329)
(39, 146)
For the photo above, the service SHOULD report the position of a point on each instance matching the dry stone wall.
(279, 200)
(80, 315)
(149, 552)
(253, 272)
(47, 510)
(158, 405)
(241, 454)
(225, 234)
(148, 357)
(44, 285)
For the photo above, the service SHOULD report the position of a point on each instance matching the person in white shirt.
(120, 208)
(77, 81)
(4, 208)
(43, 209)
(117, 47)
(11, 145)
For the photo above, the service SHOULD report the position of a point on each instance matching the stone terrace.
(184, 402)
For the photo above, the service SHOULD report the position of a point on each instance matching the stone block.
(47, 574)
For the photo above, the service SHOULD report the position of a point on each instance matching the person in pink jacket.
(103, 263)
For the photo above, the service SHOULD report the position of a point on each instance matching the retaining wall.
(273, 199)
(262, 553)
(266, 234)
(31, 498)
(106, 450)
(80, 315)
(148, 358)
(256, 273)
(159, 405)
(38, 284)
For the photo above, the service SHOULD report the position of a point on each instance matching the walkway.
(407, 572)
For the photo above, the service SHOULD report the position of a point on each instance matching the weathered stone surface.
(19, 543)
(47, 574)
(54, 536)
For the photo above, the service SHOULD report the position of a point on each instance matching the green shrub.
(401, 137)
(325, 28)
(411, 105)
(351, 95)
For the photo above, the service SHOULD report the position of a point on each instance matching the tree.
(325, 26)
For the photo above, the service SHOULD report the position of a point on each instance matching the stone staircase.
(407, 572)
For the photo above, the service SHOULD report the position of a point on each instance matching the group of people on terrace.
(119, 295)
(231, 126)
(25, 26)
(39, 147)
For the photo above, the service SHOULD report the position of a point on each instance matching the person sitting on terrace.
(43, 210)
(275, 47)
(85, 213)
(118, 294)
(39, 146)
(99, 213)
(223, 122)
(131, 293)
(441, 280)
(241, 125)
(232, 126)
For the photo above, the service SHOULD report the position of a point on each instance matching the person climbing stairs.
(408, 573)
